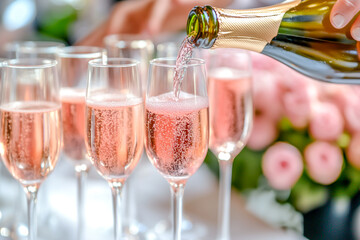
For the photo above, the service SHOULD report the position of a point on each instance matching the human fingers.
(177, 18)
(355, 29)
(130, 16)
(126, 17)
(158, 15)
(343, 11)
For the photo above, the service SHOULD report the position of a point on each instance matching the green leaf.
(56, 22)
(299, 138)
(307, 195)
(344, 140)
(247, 169)
(347, 184)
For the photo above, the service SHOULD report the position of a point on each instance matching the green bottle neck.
(202, 26)
(250, 29)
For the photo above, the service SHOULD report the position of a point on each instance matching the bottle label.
(250, 29)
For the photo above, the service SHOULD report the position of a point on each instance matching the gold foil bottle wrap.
(250, 29)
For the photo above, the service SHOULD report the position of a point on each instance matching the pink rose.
(352, 115)
(282, 165)
(298, 94)
(340, 94)
(328, 91)
(326, 121)
(266, 94)
(347, 98)
(353, 151)
(323, 162)
(263, 133)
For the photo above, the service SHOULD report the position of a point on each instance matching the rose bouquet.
(304, 148)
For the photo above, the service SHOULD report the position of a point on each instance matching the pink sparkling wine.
(176, 138)
(182, 59)
(114, 135)
(73, 117)
(30, 139)
(230, 110)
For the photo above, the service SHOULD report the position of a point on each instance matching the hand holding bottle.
(343, 12)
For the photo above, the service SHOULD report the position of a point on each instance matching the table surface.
(57, 218)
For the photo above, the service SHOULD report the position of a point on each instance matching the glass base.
(189, 230)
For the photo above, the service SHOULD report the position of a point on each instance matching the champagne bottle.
(296, 33)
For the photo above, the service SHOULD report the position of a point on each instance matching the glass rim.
(167, 44)
(34, 46)
(126, 39)
(197, 62)
(29, 63)
(80, 52)
(114, 62)
(2, 60)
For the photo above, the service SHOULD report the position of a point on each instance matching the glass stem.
(116, 194)
(224, 200)
(81, 175)
(128, 202)
(177, 193)
(31, 195)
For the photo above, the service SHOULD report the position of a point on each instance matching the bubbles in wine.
(114, 135)
(176, 137)
(31, 139)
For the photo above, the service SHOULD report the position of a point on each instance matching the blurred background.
(50, 20)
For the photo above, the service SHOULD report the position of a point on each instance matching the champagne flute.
(114, 124)
(31, 50)
(231, 112)
(190, 229)
(73, 65)
(176, 135)
(6, 182)
(30, 139)
(141, 48)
